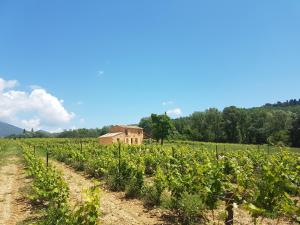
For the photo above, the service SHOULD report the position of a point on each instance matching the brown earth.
(14, 208)
(115, 209)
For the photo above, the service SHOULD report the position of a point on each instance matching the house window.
(136, 141)
(127, 140)
(126, 132)
(139, 132)
(131, 140)
(118, 139)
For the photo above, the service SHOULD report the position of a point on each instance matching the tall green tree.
(213, 123)
(161, 127)
(295, 132)
(279, 124)
(146, 124)
(231, 117)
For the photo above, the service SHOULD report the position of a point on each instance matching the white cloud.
(7, 84)
(73, 127)
(35, 87)
(79, 103)
(31, 123)
(82, 120)
(34, 109)
(174, 112)
(167, 103)
(57, 130)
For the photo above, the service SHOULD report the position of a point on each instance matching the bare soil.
(115, 208)
(14, 208)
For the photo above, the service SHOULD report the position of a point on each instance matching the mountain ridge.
(7, 129)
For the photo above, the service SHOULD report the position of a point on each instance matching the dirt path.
(115, 208)
(13, 206)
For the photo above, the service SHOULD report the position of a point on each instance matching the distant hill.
(287, 103)
(292, 105)
(7, 129)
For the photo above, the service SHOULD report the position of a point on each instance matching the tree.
(198, 126)
(279, 124)
(231, 117)
(213, 123)
(257, 131)
(183, 126)
(146, 124)
(295, 132)
(161, 127)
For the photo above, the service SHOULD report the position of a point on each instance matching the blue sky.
(113, 62)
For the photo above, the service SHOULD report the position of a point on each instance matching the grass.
(7, 150)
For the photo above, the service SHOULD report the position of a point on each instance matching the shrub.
(152, 194)
(190, 208)
(134, 188)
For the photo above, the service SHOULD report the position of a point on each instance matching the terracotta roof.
(111, 134)
(132, 127)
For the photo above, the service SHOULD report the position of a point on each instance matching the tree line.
(275, 124)
(72, 133)
(272, 125)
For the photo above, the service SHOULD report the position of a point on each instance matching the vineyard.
(188, 183)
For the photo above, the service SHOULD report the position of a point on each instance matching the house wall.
(105, 140)
(133, 136)
(119, 138)
(111, 140)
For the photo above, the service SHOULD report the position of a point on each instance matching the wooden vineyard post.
(119, 169)
(217, 153)
(47, 157)
(229, 207)
(34, 150)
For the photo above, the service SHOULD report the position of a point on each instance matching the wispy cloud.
(33, 87)
(174, 112)
(167, 103)
(79, 103)
(100, 73)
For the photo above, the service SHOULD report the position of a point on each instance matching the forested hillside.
(272, 123)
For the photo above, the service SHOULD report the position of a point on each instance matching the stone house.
(123, 134)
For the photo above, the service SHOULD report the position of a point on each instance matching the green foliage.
(190, 208)
(48, 185)
(134, 188)
(161, 127)
(181, 175)
(84, 133)
(277, 125)
(146, 124)
(152, 193)
(295, 132)
(88, 212)
(50, 191)
(120, 175)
